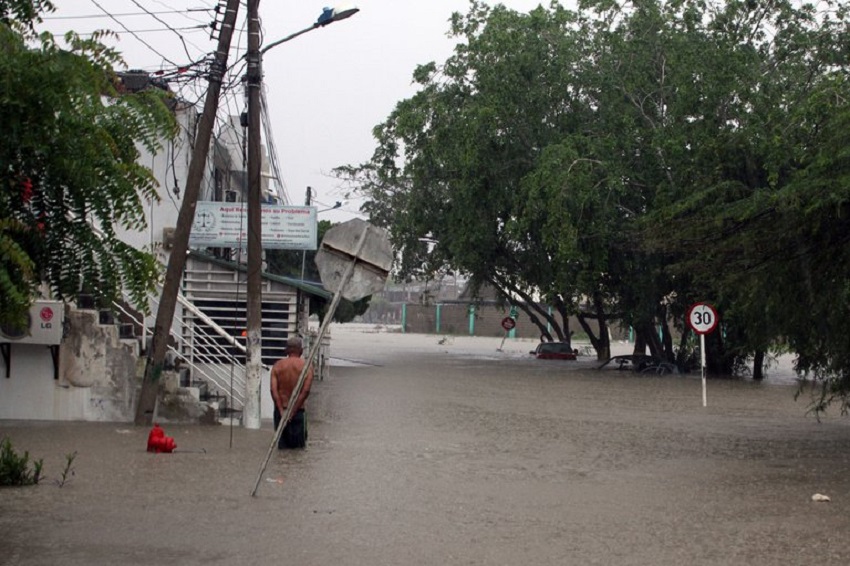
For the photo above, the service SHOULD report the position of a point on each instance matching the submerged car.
(554, 351)
(640, 363)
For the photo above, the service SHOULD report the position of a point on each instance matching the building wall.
(454, 319)
(96, 381)
(170, 167)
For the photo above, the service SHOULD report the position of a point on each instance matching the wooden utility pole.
(254, 289)
(177, 259)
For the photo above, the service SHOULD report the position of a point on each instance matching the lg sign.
(43, 325)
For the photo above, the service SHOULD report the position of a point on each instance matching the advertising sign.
(225, 225)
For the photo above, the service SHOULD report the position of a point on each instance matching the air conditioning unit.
(168, 237)
(44, 325)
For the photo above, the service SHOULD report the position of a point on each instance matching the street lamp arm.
(329, 16)
(288, 38)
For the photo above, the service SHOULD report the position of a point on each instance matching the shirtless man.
(284, 377)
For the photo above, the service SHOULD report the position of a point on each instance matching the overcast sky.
(326, 89)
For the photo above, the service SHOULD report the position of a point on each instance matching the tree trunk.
(649, 335)
(604, 351)
(667, 341)
(545, 336)
(640, 343)
(682, 355)
(718, 361)
(758, 365)
(527, 306)
(600, 343)
(561, 307)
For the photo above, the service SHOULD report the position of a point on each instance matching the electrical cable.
(238, 291)
(166, 24)
(134, 31)
(127, 14)
(120, 23)
(185, 12)
(274, 160)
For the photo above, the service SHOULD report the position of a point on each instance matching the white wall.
(29, 392)
(97, 376)
(170, 167)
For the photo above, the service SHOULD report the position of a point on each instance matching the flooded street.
(423, 452)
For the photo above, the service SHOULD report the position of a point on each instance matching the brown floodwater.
(453, 453)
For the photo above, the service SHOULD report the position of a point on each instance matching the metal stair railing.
(208, 359)
(230, 384)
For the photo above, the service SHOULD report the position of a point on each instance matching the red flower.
(26, 189)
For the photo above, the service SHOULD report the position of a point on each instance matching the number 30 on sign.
(702, 318)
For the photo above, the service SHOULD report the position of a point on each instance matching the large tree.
(68, 166)
(627, 159)
(766, 230)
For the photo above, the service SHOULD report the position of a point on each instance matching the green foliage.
(15, 469)
(22, 13)
(69, 167)
(68, 471)
(17, 281)
(627, 159)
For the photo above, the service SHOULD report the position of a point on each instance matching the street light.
(254, 288)
(329, 16)
(336, 205)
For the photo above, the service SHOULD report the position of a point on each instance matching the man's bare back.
(284, 377)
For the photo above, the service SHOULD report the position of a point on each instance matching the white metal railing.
(203, 353)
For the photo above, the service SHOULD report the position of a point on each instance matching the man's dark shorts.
(295, 433)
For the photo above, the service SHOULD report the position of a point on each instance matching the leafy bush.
(15, 469)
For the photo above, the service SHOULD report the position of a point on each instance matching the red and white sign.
(508, 323)
(702, 318)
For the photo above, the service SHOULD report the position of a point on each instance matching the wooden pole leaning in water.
(314, 347)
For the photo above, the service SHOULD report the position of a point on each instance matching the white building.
(91, 370)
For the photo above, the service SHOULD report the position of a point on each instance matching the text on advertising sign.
(225, 225)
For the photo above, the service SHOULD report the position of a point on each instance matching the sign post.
(702, 318)
(354, 261)
(508, 323)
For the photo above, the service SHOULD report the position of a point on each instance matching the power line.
(166, 24)
(145, 43)
(198, 27)
(271, 149)
(185, 15)
(145, 13)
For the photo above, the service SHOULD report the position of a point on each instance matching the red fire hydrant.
(158, 442)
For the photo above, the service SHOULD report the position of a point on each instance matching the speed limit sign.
(702, 318)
